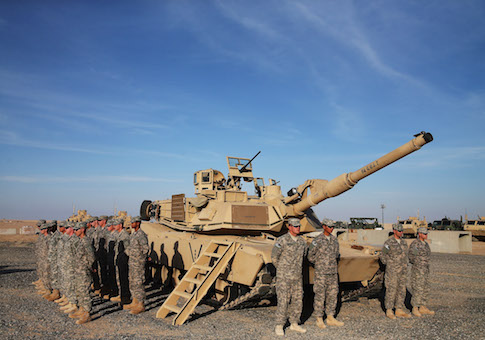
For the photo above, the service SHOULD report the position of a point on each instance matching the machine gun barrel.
(246, 165)
(347, 181)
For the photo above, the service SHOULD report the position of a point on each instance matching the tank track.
(259, 291)
(373, 287)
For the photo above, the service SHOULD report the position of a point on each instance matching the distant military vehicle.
(218, 244)
(364, 223)
(82, 215)
(477, 227)
(447, 224)
(411, 225)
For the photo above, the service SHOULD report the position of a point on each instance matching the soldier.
(62, 227)
(100, 252)
(324, 253)
(395, 256)
(84, 258)
(38, 242)
(419, 256)
(110, 245)
(54, 265)
(44, 261)
(121, 258)
(91, 234)
(287, 256)
(69, 269)
(137, 252)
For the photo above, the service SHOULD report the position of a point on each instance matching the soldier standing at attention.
(45, 270)
(38, 242)
(53, 263)
(110, 245)
(324, 253)
(70, 265)
(121, 258)
(100, 252)
(287, 256)
(395, 256)
(61, 226)
(137, 252)
(419, 256)
(84, 258)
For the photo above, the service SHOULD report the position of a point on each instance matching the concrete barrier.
(444, 241)
(27, 230)
(8, 231)
(371, 237)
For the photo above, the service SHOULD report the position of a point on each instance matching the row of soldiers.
(99, 254)
(291, 249)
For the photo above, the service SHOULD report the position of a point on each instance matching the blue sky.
(104, 104)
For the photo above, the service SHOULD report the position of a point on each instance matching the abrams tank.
(188, 235)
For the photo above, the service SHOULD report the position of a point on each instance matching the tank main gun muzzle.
(347, 181)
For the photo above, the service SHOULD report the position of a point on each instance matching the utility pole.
(383, 207)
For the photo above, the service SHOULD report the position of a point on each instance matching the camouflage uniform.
(110, 247)
(324, 252)
(121, 258)
(53, 259)
(44, 262)
(395, 256)
(137, 253)
(84, 258)
(419, 256)
(287, 256)
(38, 253)
(70, 265)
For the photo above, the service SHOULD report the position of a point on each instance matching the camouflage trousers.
(395, 282)
(55, 276)
(67, 282)
(419, 285)
(325, 288)
(136, 275)
(290, 300)
(82, 286)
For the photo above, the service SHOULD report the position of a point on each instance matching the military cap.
(61, 223)
(397, 226)
(109, 223)
(135, 219)
(328, 223)
(52, 224)
(43, 226)
(117, 221)
(423, 230)
(40, 222)
(294, 222)
(104, 217)
(79, 225)
(70, 224)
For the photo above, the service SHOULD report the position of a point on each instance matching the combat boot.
(279, 330)
(115, 299)
(416, 312)
(77, 314)
(36, 282)
(424, 310)
(84, 317)
(320, 323)
(66, 306)
(331, 321)
(71, 310)
(54, 296)
(297, 328)
(138, 308)
(61, 299)
(390, 314)
(47, 294)
(64, 302)
(97, 292)
(402, 314)
(130, 305)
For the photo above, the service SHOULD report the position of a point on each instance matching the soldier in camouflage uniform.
(54, 265)
(44, 261)
(112, 289)
(60, 256)
(69, 269)
(395, 256)
(419, 256)
(84, 258)
(100, 253)
(137, 252)
(121, 260)
(39, 244)
(287, 256)
(324, 253)
(91, 234)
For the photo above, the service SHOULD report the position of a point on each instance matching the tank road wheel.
(144, 212)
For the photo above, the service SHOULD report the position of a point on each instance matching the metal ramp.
(198, 280)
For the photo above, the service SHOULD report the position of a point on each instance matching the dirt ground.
(457, 296)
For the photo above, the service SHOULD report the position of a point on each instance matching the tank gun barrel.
(346, 181)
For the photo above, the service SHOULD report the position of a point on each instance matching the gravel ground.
(457, 296)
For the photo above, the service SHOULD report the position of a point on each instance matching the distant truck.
(446, 224)
(364, 223)
(411, 225)
(477, 227)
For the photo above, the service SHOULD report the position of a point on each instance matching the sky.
(105, 104)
